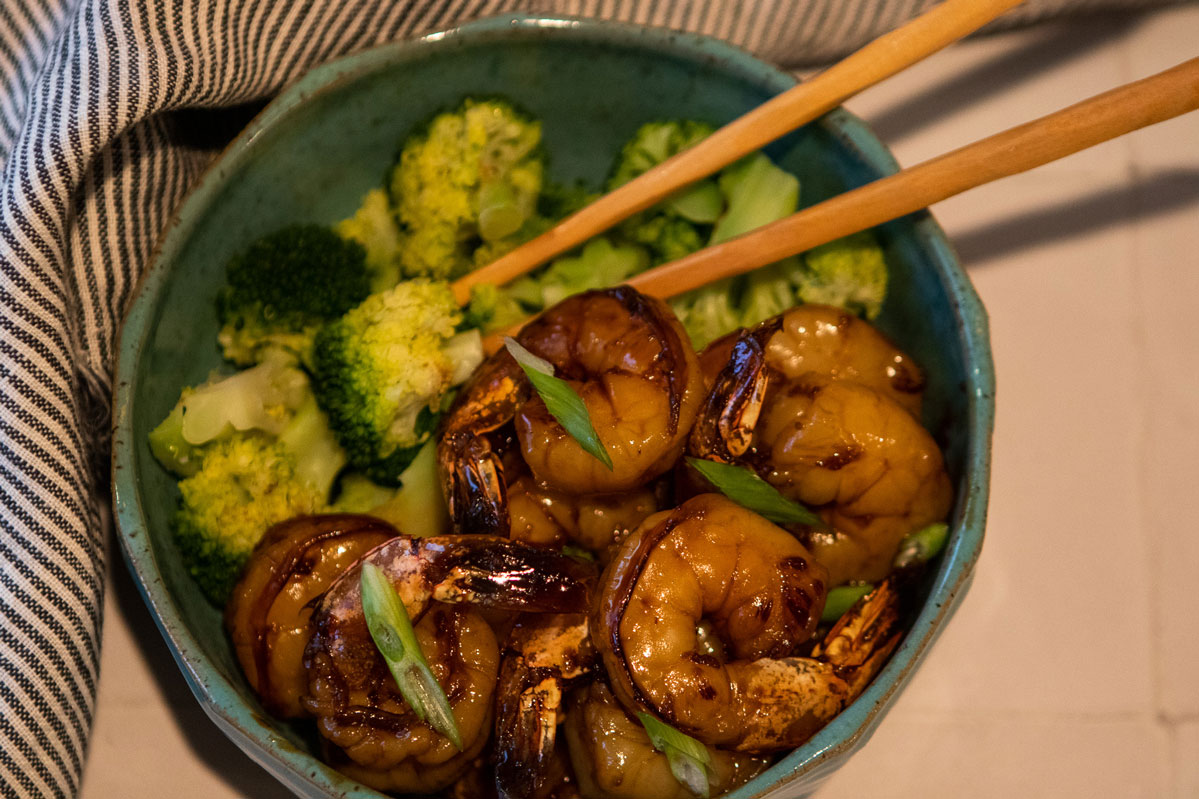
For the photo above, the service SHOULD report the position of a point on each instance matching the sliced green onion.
(391, 629)
(578, 553)
(841, 599)
(499, 213)
(744, 487)
(562, 401)
(921, 546)
(690, 761)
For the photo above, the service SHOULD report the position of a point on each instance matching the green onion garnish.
(921, 546)
(499, 213)
(916, 549)
(562, 401)
(744, 487)
(841, 599)
(578, 553)
(391, 629)
(690, 762)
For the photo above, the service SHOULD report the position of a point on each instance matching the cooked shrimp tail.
(474, 433)
(863, 638)
(724, 429)
(507, 575)
(544, 655)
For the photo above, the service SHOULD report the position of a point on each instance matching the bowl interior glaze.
(318, 147)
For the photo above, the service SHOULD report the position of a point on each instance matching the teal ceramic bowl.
(313, 152)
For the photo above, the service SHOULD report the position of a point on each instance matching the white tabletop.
(1071, 668)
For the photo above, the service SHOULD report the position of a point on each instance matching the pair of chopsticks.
(1103, 117)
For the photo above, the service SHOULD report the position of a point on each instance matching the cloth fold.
(96, 154)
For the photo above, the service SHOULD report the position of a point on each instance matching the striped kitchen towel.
(94, 158)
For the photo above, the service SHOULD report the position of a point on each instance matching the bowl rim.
(218, 696)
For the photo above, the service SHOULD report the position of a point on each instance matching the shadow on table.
(1153, 194)
(218, 753)
(1053, 44)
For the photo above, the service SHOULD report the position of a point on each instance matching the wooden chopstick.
(1106, 116)
(885, 56)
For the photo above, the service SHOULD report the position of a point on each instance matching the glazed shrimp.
(848, 448)
(763, 593)
(808, 343)
(597, 522)
(827, 341)
(873, 471)
(544, 655)
(267, 616)
(633, 366)
(365, 720)
(358, 707)
(612, 756)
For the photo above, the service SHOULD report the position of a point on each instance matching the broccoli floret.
(381, 372)
(492, 308)
(470, 178)
(417, 507)
(264, 397)
(374, 226)
(239, 480)
(850, 273)
(600, 263)
(245, 484)
(653, 143)
(767, 292)
(708, 313)
(284, 286)
(667, 237)
(680, 224)
(756, 193)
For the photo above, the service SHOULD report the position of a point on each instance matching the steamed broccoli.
(417, 507)
(470, 178)
(246, 483)
(680, 224)
(382, 370)
(756, 193)
(653, 143)
(253, 449)
(374, 226)
(849, 272)
(599, 263)
(286, 285)
(493, 308)
(264, 397)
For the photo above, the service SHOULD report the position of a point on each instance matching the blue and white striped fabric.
(95, 154)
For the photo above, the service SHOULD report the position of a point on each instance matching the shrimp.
(362, 715)
(853, 450)
(634, 368)
(631, 362)
(819, 339)
(267, 615)
(356, 702)
(612, 755)
(763, 593)
(875, 473)
(475, 439)
(544, 655)
(543, 517)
